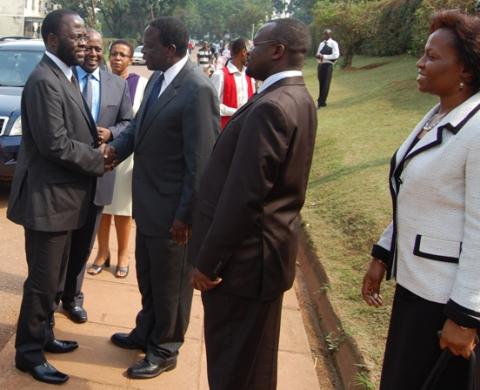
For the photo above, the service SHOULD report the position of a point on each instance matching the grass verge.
(371, 109)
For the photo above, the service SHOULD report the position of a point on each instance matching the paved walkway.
(112, 304)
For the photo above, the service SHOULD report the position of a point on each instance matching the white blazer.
(432, 246)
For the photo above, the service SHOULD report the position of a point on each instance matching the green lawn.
(370, 112)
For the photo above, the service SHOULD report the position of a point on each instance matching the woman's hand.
(371, 283)
(458, 339)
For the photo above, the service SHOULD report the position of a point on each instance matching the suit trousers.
(80, 248)
(47, 258)
(324, 75)
(413, 346)
(164, 281)
(241, 339)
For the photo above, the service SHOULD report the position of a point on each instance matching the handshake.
(109, 157)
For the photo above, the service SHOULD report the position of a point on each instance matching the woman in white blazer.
(432, 246)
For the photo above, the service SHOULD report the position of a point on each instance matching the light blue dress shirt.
(95, 81)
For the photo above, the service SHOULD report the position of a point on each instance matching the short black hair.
(172, 32)
(465, 30)
(292, 33)
(51, 23)
(237, 46)
(122, 42)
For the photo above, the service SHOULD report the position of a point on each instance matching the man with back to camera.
(327, 54)
(172, 137)
(233, 86)
(108, 99)
(54, 183)
(246, 223)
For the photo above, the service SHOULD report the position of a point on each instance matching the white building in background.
(23, 17)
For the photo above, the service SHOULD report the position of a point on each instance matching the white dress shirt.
(241, 84)
(172, 72)
(277, 77)
(329, 57)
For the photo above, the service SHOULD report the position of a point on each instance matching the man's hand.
(104, 134)
(109, 156)
(371, 283)
(180, 232)
(319, 56)
(201, 282)
(458, 339)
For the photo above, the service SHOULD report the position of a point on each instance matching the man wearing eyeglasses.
(54, 182)
(245, 229)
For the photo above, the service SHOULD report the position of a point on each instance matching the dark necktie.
(87, 90)
(74, 81)
(153, 97)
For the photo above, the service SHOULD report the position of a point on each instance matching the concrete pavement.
(112, 304)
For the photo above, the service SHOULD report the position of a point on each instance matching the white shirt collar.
(66, 70)
(173, 71)
(233, 69)
(277, 77)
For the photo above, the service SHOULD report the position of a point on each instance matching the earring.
(461, 85)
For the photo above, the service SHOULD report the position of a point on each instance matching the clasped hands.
(109, 156)
(459, 340)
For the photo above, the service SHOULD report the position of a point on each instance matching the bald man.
(107, 97)
(246, 225)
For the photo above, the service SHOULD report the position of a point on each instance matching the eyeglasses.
(255, 44)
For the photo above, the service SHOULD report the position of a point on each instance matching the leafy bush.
(394, 28)
(422, 16)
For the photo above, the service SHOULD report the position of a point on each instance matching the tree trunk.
(348, 57)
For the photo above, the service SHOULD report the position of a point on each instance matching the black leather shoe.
(60, 346)
(145, 369)
(45, 373)
(76, 313)
(123, 340)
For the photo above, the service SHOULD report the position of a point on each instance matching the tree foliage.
(216, 18)
(421, 24)
(120, 18)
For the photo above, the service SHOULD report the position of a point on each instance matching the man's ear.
(52, 41)
(279, 52)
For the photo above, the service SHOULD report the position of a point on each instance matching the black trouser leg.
(164, 281)
(80, 249)
(241, 339)
(47, 258)
(324, 75)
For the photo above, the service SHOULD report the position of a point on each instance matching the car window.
(16, 66)
(138, 50)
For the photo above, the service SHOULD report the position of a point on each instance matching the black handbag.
(435, 375)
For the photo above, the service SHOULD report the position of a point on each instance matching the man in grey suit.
(53, 185)
(109, 102)
(172, 137)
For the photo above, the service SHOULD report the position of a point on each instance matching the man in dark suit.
(246, 223)
(53, 186)
(108, 99)
(172, 137)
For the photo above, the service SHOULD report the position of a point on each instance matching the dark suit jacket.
(171, 144)
(115, 114)
(57, 162)
(247, 218)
